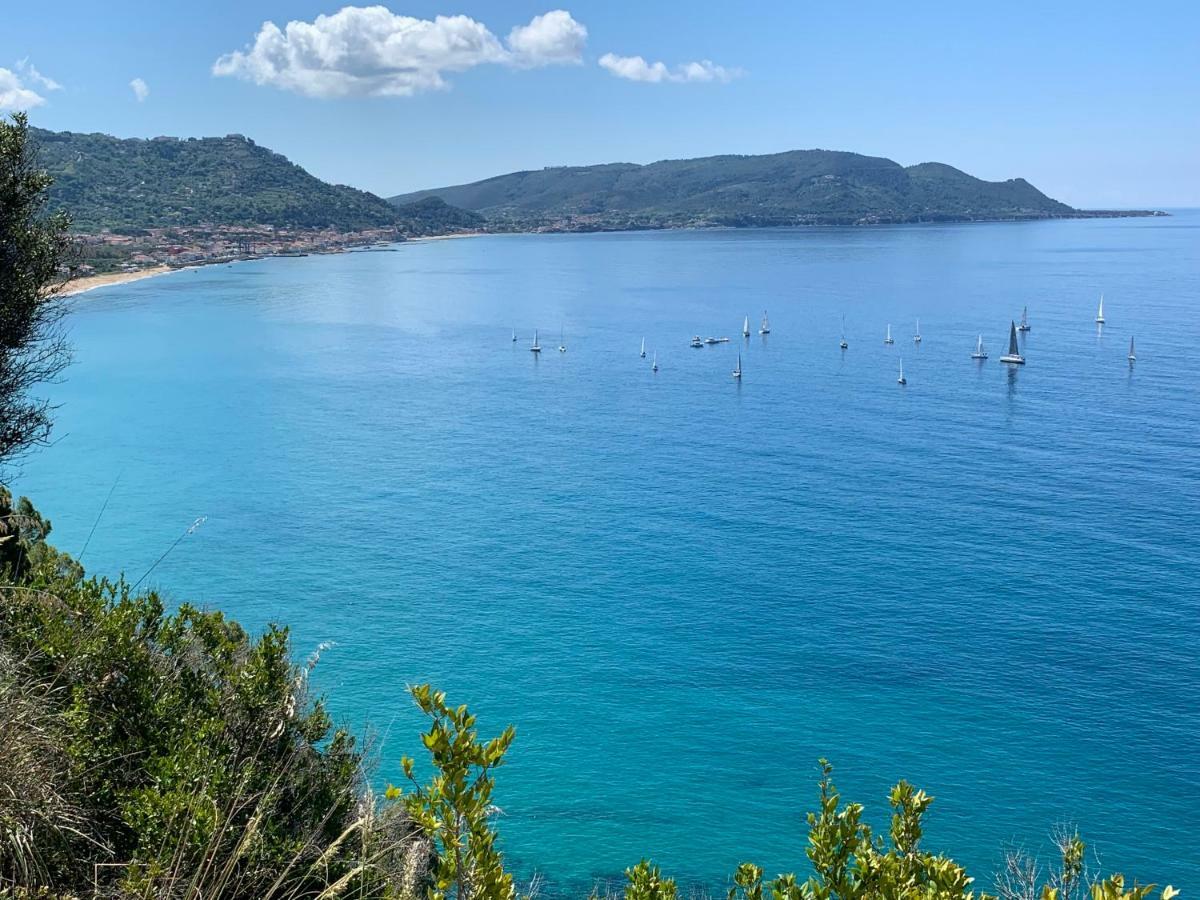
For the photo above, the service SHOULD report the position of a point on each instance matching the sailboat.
(514, 335)
(737, 373)
(902, 379)
(980, 350)
(562, 344)
(746, 327)
(1132, 355)
(843, 344)
(888, 339)
(917, 336)
(1014, 353)
(1100, 312)
(1024, 326)
(536, 348)
(654, 362)
(643, 348)
(765, 327)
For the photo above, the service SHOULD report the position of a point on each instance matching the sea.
(683, 588)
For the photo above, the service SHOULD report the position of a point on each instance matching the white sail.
(654, 363)
(1132, 355)
(562, 343)
(765, 328)
(1100, 311)
(737, 373)
(643, 348)
(902, 379)
(536, 348)
(917, 336)
(746, 327)
(888, 339)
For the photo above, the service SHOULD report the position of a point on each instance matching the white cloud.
(553, 37)
(17, 87)
(28, 71)
(635, 68)
(371, 51)
(141, 90)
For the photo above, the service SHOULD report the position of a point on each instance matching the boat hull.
(1013, 360)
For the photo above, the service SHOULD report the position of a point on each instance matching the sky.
(1096, 103)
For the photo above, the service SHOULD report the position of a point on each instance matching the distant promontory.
(800, 187)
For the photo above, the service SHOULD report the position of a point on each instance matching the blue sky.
(1098, 103)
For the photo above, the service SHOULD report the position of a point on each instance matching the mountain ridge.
(107, 182)
(795, 187)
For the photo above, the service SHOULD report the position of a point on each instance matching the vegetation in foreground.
(153, 754)
(156, 755)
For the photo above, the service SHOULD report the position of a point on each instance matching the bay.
(684, 589)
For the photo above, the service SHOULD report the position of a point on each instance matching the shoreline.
(77, 286)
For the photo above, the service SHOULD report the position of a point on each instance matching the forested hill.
(107, 182)
(798, 187)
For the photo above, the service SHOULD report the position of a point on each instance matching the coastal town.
(133, 250)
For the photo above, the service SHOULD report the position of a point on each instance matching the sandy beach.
(91, 282)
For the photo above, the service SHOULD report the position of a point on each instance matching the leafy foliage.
(798, 187)
(176, 755)
(646, 883)
(455, 808)
(33, 250)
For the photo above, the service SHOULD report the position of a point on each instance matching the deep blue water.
(684, 590)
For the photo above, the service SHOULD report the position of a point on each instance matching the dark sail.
(1012, 341)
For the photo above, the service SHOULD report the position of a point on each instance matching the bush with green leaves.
(455, 808)
(180, 756)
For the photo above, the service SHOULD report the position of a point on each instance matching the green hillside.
(798, 187)
(107, 182)
(432, 215)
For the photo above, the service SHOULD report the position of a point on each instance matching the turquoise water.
(684, 590)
